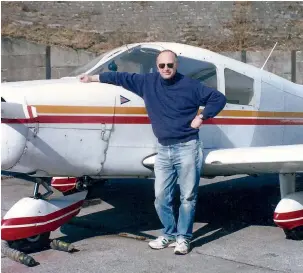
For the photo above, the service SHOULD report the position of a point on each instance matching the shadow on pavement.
(223, 208)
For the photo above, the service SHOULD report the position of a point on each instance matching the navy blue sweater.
(171, 104)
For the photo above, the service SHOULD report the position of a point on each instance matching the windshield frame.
(97, 62)
(86, 67)
(92, 65)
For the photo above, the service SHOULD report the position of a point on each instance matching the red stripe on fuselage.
(146, 120)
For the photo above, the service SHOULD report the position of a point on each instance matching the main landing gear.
(30, 221)
(289, 212)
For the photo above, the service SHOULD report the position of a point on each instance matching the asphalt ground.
(234, 230)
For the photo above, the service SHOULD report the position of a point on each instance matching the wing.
(17, 111)
(252, 160)
(255, 160)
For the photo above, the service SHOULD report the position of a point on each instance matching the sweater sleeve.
(213, 100)
(130, 81)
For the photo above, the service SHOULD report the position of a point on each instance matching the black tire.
(89, 187)
(33, 243)
(70, 192)
(294, 234)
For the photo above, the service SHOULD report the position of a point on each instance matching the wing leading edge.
(252, 160)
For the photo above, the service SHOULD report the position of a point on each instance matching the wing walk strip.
(138, 115)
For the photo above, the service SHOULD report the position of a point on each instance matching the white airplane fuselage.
(90, 129)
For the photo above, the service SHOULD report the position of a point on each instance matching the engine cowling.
(13, 142)
(14, 132)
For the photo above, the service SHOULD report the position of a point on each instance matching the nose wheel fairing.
(30, 217)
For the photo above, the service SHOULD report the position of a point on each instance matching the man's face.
(167, 65)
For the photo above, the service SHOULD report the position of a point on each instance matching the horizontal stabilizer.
(10, 110)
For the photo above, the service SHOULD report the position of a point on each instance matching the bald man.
(172, 101)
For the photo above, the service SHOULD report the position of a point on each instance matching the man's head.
(167, 64)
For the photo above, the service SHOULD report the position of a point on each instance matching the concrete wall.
(22, 60)
(64, 61)
(279, 62)
(299, 67)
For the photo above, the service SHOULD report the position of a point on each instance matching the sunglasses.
(169, 65)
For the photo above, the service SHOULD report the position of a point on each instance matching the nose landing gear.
(29, 222)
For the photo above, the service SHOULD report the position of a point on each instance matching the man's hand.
(197, 122)
(86, 78)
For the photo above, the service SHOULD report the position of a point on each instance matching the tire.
(34, 243)
(294, 234)
(70, 192)
(79, 187)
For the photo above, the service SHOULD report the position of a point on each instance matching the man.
(172, 101)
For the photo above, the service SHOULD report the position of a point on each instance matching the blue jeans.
(179, 163)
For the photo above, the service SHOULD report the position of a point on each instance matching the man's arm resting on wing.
(130, 81)
(213, 100)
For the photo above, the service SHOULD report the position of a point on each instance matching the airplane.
(73, 133)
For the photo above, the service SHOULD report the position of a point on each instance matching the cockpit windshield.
(137, 60)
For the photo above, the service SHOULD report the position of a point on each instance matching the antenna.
(269, 56)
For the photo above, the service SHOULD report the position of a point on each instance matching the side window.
(204, 72)
(239, 89)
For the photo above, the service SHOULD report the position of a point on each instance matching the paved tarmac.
(234, 230)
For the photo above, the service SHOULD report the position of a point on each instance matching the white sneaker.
(182, 246)
(162, 242)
